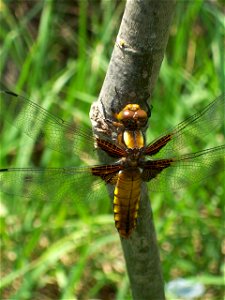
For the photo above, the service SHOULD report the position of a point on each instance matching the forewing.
(178, 172)
(190, 133)
(40, 125)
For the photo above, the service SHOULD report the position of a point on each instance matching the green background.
(58, 53)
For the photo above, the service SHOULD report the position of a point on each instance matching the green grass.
(58, 54)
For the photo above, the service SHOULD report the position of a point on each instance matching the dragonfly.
(167, 162)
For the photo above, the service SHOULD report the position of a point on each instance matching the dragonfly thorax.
(133, 158)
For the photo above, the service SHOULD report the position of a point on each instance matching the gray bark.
(133, 71)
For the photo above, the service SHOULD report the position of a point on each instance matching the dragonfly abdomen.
(126, 201)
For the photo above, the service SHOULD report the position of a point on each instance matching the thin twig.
(133, 71)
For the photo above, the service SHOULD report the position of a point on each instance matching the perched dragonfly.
(166, 162)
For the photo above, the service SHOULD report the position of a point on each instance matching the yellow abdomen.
(126, 201)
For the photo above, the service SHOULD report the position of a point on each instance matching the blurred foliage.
(58, 53)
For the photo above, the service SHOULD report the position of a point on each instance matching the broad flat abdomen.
(126, 201)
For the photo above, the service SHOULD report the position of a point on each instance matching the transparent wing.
(176, 173)
(66, 184)
(40, 125)
(190, 134)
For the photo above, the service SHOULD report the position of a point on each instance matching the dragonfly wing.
(175, 173)
(191, 132)
(66, 184)
(39, 124)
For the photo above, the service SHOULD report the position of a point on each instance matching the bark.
(133, 71)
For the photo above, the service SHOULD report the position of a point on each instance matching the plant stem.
(133, 71)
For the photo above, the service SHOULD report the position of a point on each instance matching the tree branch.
(133, 71)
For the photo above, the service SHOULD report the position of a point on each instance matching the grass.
(57, 54)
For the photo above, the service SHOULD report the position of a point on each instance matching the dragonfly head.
(132, 117)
